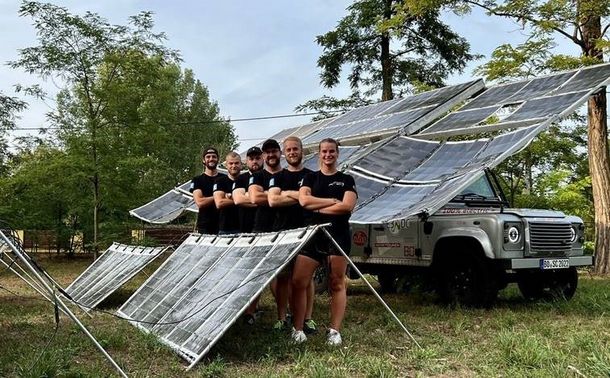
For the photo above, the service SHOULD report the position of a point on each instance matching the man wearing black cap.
(246, 209)
(202, 188)
(259, 185)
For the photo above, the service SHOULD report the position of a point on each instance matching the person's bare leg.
(338, 292)
(311, 291)
(273, 287)
(282, 291)
(301, 277)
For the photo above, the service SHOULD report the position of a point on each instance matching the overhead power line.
(208, 121)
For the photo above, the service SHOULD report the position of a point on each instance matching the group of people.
(270, 198)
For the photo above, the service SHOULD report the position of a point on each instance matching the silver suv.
(474, 246)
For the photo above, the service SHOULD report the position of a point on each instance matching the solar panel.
(117, 265)
(395, 158)
(167, 207)
(346, 155)
(407, 115)
(445, 161)
(437, 179)
(522, 103)
(203, 287)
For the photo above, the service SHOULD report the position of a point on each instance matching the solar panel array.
(407, 115)
(203, 287)
(117, 265)
(521, 104)
(429, 174)
(525, 105)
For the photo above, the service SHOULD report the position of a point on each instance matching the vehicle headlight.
(573, 234)
(513, 235)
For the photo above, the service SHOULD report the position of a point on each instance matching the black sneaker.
(310, 327)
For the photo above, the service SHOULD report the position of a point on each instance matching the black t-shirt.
(333, 186)
(265, 215)
(207, 219)
(228, 218)
(246, 214)
(293, 216)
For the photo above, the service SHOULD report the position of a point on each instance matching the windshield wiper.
(471, 195)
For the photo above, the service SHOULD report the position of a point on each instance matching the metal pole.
(371, 287)
(62, 304)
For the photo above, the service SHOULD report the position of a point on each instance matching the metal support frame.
(59, 302)
(351, 263)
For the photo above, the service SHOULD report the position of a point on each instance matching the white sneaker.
(298, 337)
(333, 337)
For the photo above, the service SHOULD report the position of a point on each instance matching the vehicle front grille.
(550, 238)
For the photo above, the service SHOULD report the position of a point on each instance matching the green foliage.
(9, 106)
(129, 125)
(385, 55)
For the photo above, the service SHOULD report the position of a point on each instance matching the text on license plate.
(554, 263)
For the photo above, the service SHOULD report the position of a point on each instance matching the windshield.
(480, 189)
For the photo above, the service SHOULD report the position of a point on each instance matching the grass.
(515, 338)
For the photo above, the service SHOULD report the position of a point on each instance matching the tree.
(386, 56)
(9, 106)
(107, 70)
(583, 23)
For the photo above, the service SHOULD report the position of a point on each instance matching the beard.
(294, 162)
(211, 165)
(273, 162)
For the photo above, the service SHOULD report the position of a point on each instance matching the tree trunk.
(386, 60)
(599, 159)
(599, 168)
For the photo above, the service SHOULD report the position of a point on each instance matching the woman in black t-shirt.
(331, 195)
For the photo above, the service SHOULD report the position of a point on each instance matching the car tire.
(467, 281)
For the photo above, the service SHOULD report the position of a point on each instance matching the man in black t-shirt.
(283, 196)
(245, 208)
(228, 218)
(202, 189)
(259, 185)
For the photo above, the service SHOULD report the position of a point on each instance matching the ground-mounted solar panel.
(167, 207)
(117, 265)
(526, 102)
(201, 289)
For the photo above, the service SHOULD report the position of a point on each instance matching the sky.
(257, 59)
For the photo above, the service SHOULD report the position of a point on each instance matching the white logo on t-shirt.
(336, 183)
(272, 181)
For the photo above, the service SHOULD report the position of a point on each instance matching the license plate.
(554, 263)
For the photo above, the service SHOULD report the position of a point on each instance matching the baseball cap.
(270, 143)
(210, 150)
(254, 151)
